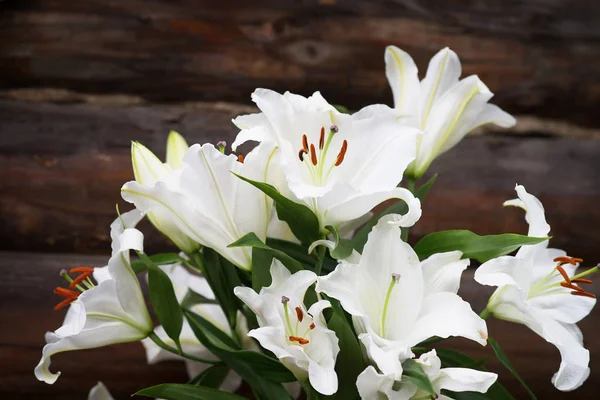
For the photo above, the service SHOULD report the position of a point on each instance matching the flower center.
(292, 332)
(548, 284)
(82, 282)
(315, 159)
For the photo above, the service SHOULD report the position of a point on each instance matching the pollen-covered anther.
(80, 279)
(301, 154)
(312, 325)
(305, 142)
(240, 158)
(322, 138)
(313, 154)
(342, 153)
(299, 314)
(581, 280)
(568, 260)
(584, 294)
(77, 270)
(566, 285)
(298, 339)
(69, 297)
(564, 274)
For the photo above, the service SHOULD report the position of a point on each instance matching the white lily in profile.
(113, 311)
(538, 287)
(397, 302)
(207, 202)
(183, 281)
(99, 392)
(298, 337)
(443, 107)
(339, 165)
(148, 169)
(373, 385)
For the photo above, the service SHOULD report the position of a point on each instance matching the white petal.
(534, 212)
(402, 75)
(564, 307)
(253, 127)
(347, 283)
(505, 270)
(323, 379)
(176, 148)
(465, 380)
(292, 286)
(372, 385)
(386, 355)
(99, 392)
(445, 315)
(442, 272)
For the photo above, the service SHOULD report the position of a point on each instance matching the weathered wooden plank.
(537, 56)
(61, 168)
(26, 302)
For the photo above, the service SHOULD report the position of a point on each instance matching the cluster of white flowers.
(334, 312)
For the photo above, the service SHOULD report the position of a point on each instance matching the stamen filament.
(585, 273)
(287, 316)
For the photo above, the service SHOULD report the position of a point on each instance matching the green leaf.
(191, 298)
(262, 381)
(399, 207)
(503, 358)
(341, 108)
(212, 377)
(177, 391)
(262, 255)
(163, 299)
(413, 372)
(300, 253)
(222, 277)
(349, 363)
(214, 334)
(158, 259)
(480, 248)
(302, 221)
(343, 247)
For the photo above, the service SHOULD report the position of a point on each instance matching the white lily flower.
(183, 281)
(147, 169)
(338, 165)
(397, 302)
(298, 337)
(99, 392)
(538, 287)
(207, 202)
(373, 385)
(443, 107)
(114, 311)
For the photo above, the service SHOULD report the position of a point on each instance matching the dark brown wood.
(61, 168)
(537, 56)
(26, 302)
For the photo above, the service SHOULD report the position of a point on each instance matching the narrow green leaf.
(343, 247)
(261, 381)
(191, 298)
(300, 253)
(214, 334)
(413, 372)
(158, 259)
(163, 299)
(349, 363)
(302, 221)
(503, 358)
(342, 109)
(480, 248)
(211, 377)
(399, 207)
(178, 391)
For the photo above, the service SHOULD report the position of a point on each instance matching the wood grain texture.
(539, 57)
(26, 302)
(61, 168)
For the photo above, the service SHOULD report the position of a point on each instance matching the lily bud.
(176, 148)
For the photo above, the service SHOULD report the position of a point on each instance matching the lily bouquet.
(285, 279)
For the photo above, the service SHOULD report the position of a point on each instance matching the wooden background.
(79, 80)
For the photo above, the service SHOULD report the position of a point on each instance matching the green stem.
(320, 259)
(485, 314)
(311, 394)
(154, 337)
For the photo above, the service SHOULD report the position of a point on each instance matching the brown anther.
(322, 138)
(299, 314)
(566, 285)
(66, 293)
(342, 153)
(305, 142)
(81, 269)
(581, 280)
(567, 260)
(312, 326)
(313, 154)
(240, 158)
(298, 339)
(79, 279)
(65, 302)
(301, 154)
(584, 294)
(564, 274)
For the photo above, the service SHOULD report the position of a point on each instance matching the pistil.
(395, 280)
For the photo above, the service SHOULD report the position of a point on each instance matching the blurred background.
(80, 80)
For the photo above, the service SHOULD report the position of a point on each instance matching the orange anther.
(322, 138)
(298, 339)
(312, 326)
(240, 158)
(81, 269)
(566, 285)
(584, 294)
(301, 154)
(313, 154)
(567, 260)
(305, 142)
(581, 280)
(65, 302)
(299, 314)
(342, 153)
(564, 274)
(79, 279)
(62, 292)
